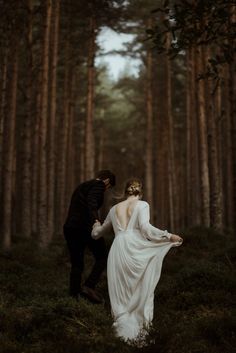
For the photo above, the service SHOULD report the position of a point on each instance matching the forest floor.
(195, 309)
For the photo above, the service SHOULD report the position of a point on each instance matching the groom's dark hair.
(105, 174)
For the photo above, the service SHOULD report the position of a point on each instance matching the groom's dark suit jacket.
(85, 202)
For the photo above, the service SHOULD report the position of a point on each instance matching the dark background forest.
(173, 125)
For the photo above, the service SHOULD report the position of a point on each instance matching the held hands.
(176, 238)
(95, 233)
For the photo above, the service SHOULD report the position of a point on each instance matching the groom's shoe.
(91, 295)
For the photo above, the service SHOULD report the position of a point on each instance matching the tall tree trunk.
(82, 151)
(232, 97)
(234, 140)
(53, 123)
(149, 128)
(195, 146)
(43, 224)
(3, 109)
(76, 138)
(170, 147)
(232, 106)
(73, 179)
(163, 203)
(35, 159)
(160, 146)
(100, 161)
(214, 172)
(26, 152)
(9, 148)
(63, 144)
(219, 137)
(203, 147)
(189, 129)
(89, 134)
(229, 183)
(69, 148)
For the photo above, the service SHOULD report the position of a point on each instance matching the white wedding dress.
(133, 269)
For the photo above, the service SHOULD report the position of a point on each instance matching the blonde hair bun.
(133, 187)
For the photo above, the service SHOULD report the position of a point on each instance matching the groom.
(83, 212)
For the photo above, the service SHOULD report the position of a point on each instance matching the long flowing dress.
(133, 269)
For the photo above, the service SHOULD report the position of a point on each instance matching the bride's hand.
(97, 223)
(176, 238)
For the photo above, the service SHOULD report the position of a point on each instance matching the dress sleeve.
(148, 231)
(100, 230)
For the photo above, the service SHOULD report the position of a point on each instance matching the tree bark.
(232, 113)
(203, 147)
(232, 98)
(63, 144)
(189, 131)
(82, 151)
(195, 148)
(214, 172)
(149, 128)
(229, 180)
(89, 133)
(8, 155)
(53, 123)
(100, 160)
(70, 164)
(170, 146)
(26, 151)
(42, 221)
(190, 148)
(3, 109)
(219, 137)
(35, 165)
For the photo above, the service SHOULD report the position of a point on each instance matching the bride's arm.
(149, 231)
(101, 229)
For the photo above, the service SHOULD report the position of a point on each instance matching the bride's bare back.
(124, 211)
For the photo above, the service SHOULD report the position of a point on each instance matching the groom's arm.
(95, 199)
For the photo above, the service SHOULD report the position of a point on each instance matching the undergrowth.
(194, 302)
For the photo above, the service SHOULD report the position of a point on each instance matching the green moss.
(193, 304)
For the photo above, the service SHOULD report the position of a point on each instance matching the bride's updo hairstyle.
(133, 187)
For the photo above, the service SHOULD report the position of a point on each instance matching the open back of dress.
(124, 213)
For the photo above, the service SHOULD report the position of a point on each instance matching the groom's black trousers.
(77, 241)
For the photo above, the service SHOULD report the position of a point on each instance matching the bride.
(134, 262)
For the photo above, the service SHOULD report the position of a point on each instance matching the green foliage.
(193, 304)
(201, 23)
